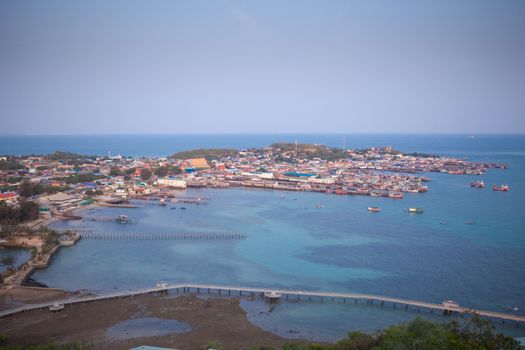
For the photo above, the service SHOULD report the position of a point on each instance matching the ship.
(502, 188)
(477, 184)
(415, 210)
(374, 209)
(123, 219)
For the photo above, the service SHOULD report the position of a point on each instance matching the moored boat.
(415, 210)
(374, 209)
(502, 188)
(477, 184)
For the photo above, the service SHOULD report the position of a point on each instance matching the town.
(63, 181)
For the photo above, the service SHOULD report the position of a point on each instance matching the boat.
(162, 202)
(477, 184)
(272, 295)
(502, 188)
(374, 209)
(395, 195)
(123, 219)
(415, 210)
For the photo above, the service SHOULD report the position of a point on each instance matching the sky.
(271, 66)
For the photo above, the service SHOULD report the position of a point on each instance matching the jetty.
(165, 236)
(446, 307)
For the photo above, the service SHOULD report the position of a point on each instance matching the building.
(198, 163)
(172, 181)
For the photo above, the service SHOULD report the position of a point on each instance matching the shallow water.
(146, 327)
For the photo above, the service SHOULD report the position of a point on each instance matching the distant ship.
(415, 210)
(477, 184)
(374, 209)
(123, 219)
(502, 188)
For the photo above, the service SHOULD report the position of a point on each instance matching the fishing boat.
(395, 195)
(123, 219)
(415, 210)
(374, 209)
(502, 188)
(477, 184)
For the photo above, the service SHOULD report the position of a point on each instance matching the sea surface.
(291, 243)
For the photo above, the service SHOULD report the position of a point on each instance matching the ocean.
(292, 243)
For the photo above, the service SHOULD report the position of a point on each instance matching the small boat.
(502, 188)
(415, 210)
(470, 222)
(182, 208)
(319, 206)
(162, 202)
(395, 195)
(477, 184)
(173, 208)
(374, 209)
(123, 219)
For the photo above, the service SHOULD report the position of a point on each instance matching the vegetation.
(29, 189)
(26, 211)
(79, 178)
(145, 174)
(309, 151)
(10, 164)
(208, 153)
(69, 157)
(167, 170)
(82, 345)
(420, 334)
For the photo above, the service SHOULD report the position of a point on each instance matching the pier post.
(208, 291)
(382, 303)
(219, 292)
(406, 307)
(229, 292)
(198, 290)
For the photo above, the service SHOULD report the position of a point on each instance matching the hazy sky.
(222, 66)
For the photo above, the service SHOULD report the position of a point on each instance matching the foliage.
(4, 341)
(208, 153)
(29, 189)
(79, 178)
(473, 333)
(10, 164)
(145, 174)
(213, 344)
(308, 151)
(161, 171)
(116, 171)
(27, 210)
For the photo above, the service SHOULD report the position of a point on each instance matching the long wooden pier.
(165, 236)
(289, 294)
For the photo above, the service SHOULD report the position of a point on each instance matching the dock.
(288, 294)
(165, 236)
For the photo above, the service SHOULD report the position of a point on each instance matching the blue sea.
(291, 243)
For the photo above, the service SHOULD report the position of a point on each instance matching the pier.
(165, 236)
(298, 295)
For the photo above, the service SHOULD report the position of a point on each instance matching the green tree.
(161, 171)
(145, 174)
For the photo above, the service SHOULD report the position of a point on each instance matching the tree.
(145, 174)
(115, 171)
(161, 171)
(28, 210)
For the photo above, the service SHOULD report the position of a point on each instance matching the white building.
(172, 181)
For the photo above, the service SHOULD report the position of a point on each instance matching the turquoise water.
(290, 243)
